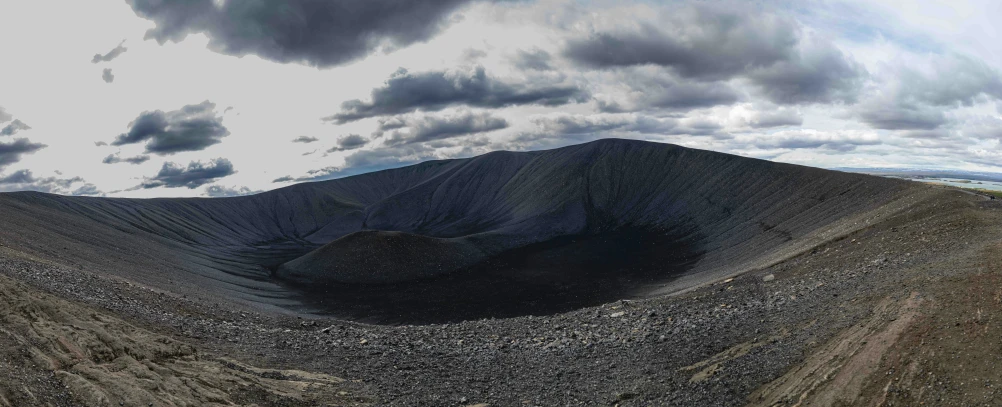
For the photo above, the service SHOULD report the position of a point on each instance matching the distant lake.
(960, 183)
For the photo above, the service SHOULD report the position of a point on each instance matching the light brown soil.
(54, 352)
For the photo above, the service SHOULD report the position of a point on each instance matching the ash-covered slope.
(725, 207)
(568, 226)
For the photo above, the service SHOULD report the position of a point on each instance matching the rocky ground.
(903, 312)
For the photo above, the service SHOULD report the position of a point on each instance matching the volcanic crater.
(498, 235)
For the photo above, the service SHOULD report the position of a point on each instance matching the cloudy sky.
(146, 98)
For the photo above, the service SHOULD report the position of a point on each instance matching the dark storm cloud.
(534, 60)
(115, 158)
(218, 191)
(25, 180)
(14, 127)
(4, 116)
(407, 92)
(11, 152)
(108, 76)
(320, 33)
(304, 139)
(196, 174)
(431, 128)
(709, 42)
(114, 53)
(191, 128)
(349, 142)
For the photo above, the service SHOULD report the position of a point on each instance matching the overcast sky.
(145, 98)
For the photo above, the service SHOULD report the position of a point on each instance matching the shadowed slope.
(547, 230)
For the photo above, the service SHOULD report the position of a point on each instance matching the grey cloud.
(534, 60)
(115, 158)
(349, 142)
(700, 127)
(391, 123)
(956, 80)
(775, 118)
(937, 134)
(218, 191)
(473, 55)
(108, 76)
(363, 161)
(191, 128)
(11, 152)
(820, 73)
(25, 180)
(114, 53)
(796, 139)
(889, 116)
(564, 129)
(304, 139)
(14, 127)
(283, 179)
(565, 125)
(652, 90)
(196, 174)
(431, 128)
(983, 127)
(4, 116)
(100, 143)
(914, 100)
(703, 41)
(407, 92)
(320, 174)
(18, 177)
(723, 41)
(320, 33)
(87, 190)
(377, 159)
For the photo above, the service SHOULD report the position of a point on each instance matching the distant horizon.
(984, 175)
